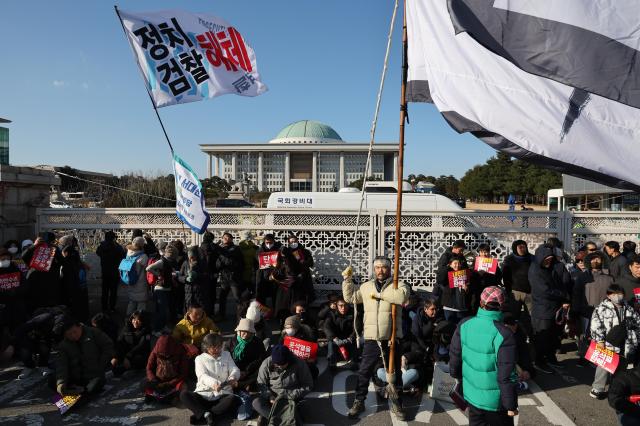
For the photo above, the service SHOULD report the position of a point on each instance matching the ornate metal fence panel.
(329, 235)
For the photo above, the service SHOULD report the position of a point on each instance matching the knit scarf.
(238, 351)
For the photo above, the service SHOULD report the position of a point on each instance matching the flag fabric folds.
(531, 81)
(189, 197)
(189, 57)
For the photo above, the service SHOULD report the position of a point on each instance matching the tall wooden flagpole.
(400, 167)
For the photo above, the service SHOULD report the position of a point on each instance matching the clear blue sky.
(71, 87)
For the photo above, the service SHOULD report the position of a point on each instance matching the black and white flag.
(556, 83)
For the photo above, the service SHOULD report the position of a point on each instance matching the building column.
(314, 172)
(234, 162)
(287, 171)
(208, 166)
(216, 166)
(395, 166)
(342, 182)
(260, 159)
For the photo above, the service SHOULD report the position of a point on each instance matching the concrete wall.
(22, 191)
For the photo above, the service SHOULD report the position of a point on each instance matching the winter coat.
(628, 282)
(15, 310)
(443, 264)
(605, 317)
(377, 311)
(455, 298)
(139, 292)
(212, 371)
(110, 254)
(177, 359)
(230, 266)
(210, 250)
(624, 384)
(252, 357)
(187, 332)
(515, 271)
(339, 326)
(134, 344)
(43, 288)
(263, 275)
(422, 329)
(292, 383)
(589, 289)
(85, 359)
(288, 289)
(38, 329)
(163, 268)
(300, 262)
(618, 266)
(483, 355)
(250, 262)
(74, 290)
(196, 285)
(548, 285)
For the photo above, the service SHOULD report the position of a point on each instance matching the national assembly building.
(304, 156)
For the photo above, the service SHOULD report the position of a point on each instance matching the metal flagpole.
(400, 167)
(155, 108)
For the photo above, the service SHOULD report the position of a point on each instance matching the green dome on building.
(307, 131)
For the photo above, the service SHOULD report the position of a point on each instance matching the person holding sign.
(43, 278)
(293, 328)
(267, 255)
(455, 288)
(614, 326)
(12, 291)
(377, 295)
(486, 273)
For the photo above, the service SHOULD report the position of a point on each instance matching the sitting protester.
(338, 327)
(626, 384)
(255, 314)
(194, 326)
(283, 380)
(423, 326)
(217, 377)
(299, 308)
(133, 346)
(247, 352)
(293, 328)
(167, 370)
(614, 325)
(410, 365)
(82, 358)
(104, 323)
(330, 306)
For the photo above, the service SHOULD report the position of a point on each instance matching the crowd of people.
(494, 327)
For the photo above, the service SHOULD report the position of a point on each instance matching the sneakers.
(397, 410)
(26, 372)
(544, 368)
(356, 409)
(597, 394)
(208, 418)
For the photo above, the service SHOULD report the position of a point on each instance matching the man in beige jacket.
(377, 296)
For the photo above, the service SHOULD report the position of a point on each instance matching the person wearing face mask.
(195, 278)
(614, 325)
(282, 379)
(630, 280)
(230, 265)
(12, 291)
(43, 288)
(265, 287)
(217, 378)
(247, 352)
(589, 289)
(12, 248)
(300, 262)
(294, 328)
(163, 270)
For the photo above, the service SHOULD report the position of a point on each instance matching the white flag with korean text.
(189, 197)
(188, 57)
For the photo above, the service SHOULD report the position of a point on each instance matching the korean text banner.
(189, 197)
(188, 57)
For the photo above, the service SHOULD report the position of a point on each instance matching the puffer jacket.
(339, 326)
(377, 312)
(515, 269)
(549, 286)
(174, 352)
(293, 383)
(605, 317)
(187, 332)
(139, 292)
(212, 371)
(483, 355)
(85, 359)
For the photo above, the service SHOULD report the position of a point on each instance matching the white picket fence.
(329, 234)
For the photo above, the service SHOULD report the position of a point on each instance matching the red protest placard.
(42, 258)
(636, 294)
(486, 264)
(301, 348)
(459, 278)
(268, 259)
(603, 358)
(10, 281)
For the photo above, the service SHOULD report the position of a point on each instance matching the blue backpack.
(127, 269)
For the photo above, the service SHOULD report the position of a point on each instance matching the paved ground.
(561, 399)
